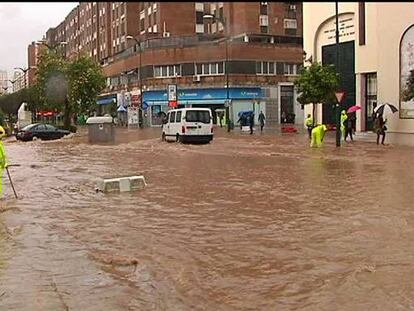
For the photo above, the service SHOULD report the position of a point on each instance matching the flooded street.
(258, 222)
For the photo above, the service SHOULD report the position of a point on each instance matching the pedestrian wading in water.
(380, 128)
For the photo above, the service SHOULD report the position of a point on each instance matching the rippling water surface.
(258, 222)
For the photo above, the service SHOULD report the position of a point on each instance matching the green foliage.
(408, 93)
(317, 84)
(10, 103)
(68, 86)
(86, 81)
(2, 118)
(51, 83)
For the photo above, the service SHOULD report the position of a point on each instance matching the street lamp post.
(24, 70)
(222, 20)
(12, 82)
(52, 47)
(138, 43)
(338, 110)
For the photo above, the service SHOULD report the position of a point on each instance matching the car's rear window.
(197, 116)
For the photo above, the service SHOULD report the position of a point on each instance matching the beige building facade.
(377, 40)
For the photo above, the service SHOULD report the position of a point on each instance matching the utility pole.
(337, 105)
(139, 72)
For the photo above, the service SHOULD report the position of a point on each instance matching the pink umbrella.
(353, 109)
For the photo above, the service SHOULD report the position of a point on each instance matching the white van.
(188, 125)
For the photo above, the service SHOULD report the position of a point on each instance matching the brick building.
(33, 51)
(261, 43)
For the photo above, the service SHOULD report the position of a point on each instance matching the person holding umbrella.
(380, 128)
(349, 127)
(379, 124)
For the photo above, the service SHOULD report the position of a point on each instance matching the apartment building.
(33, 51)
(263, 54)
(3, 82)
(19, 81)
(254, 48)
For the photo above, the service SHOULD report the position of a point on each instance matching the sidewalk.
(365, 136)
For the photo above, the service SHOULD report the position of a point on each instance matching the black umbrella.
(385, 108)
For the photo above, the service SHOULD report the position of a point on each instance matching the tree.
(68, 86)
(317, 84)
(86, 81)
(51, 84)
(408, 93)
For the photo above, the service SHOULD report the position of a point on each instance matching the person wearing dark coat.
(262, 119)
(349, 127)
(251, 123)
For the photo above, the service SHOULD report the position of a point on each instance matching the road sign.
(172, 104)
(172, 92)
(132, 116)
(340, 96)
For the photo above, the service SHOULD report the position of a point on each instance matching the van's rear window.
(197, 116)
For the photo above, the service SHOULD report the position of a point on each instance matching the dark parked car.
(40, 131)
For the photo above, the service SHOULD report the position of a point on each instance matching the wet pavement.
(257, 222)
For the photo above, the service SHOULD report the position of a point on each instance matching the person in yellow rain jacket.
(309, 125)
(344, 117)
(3, 159)
(318, 133)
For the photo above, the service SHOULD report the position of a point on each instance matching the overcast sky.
(24, 22)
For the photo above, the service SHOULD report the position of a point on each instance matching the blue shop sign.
(105, 100)
(206, 94)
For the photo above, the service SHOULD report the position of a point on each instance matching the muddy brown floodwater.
(256, 222)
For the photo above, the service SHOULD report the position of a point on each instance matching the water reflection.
(245, 223)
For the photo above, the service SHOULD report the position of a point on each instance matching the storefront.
(107, 104)
(241, 99)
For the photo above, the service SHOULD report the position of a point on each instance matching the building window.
(263, 8)
(199, 7)
(199, 28)
(289, 69)
(290, 27)
(142, 24)
(290, 23)
(209, 69)
(199, 17)
(264, 29)
(371, 98)
(265, 68)
(167, 71)
(291, 12)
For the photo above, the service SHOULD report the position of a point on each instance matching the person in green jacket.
(344, 117)
(3, 159)
(318, 134)
(309, 125)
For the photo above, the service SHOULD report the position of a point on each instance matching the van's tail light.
(183, 129)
